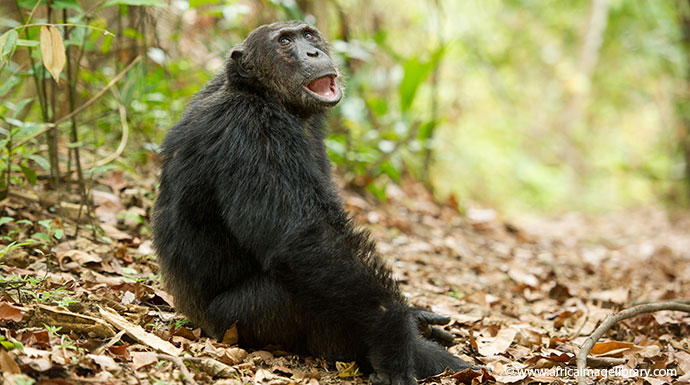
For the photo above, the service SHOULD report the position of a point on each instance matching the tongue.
(322, 86)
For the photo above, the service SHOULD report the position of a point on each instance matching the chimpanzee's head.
(291, 61)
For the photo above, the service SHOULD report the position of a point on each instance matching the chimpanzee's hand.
(426, 320)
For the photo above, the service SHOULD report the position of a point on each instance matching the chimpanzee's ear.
(236, 56)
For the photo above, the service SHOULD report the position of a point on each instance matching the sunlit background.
(523, 106)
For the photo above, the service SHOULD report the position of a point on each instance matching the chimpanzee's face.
(293, 61)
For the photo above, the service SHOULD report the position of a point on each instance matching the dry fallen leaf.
(112, 232)
(10, 313)
(105, 362)
(52, 50)
(78, 256)
(232, 356)
(141, 359)
(7, 363)
(499, 345)
(70, 321)
(139, 334)
(347, 369)
(610, 347)
(231, 337)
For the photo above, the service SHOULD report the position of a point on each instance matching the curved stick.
(615, 318)
(125, 134)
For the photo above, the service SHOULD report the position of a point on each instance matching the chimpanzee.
(250, 229)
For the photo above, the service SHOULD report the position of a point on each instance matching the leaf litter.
(88, 307)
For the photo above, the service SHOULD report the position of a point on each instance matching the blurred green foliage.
(490, 102)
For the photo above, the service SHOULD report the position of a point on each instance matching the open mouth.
(324, 89)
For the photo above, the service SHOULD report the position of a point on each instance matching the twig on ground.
(139, 334)
(110, 343)
(183, 368)
(615, 318)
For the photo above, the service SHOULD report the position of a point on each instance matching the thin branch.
(31, 14)
(83, 106)
(22, 27)
(183, 368)
(123, 140)
(615, 318)
(110, 343)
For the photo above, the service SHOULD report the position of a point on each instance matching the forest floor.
(89, 309)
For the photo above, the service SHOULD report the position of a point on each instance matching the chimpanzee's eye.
(284, 40)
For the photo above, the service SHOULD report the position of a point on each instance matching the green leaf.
(42, 237)
(8, 23)
(27, 43)
(7, 345)
(14, 122)
(415, 73)
(107, 41)
(145, 3)
(29, 4)
(20, 106)
(101, 169)
(47, 223)
(9, 84)
(379, 191)
(66, 4)
(8, 41)
(426, 130)
(5, 220)
(75, 144)
(388, 169)
(199, 3)
(30, 175)
(41, 161)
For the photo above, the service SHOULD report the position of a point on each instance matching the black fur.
(249, 226)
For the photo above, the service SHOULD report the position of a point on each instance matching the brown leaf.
(112, 232)
(52, 50)
(141, 359)
(78, 256)
(502, 341)
(7, 363)
(216, 368)
(619, 295)
(184, 332)
(466, 376)
(230, 337)
(559, 292)
(120, 351)
(560, 357)
(139, 334)
(105, 362)
(71, 322)
(560, 321)
(116, 180)
(282, 371)
(499, 373)
(40, 364)
(473, 341)
(232, 356)
(10, 313)
(606, 347)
